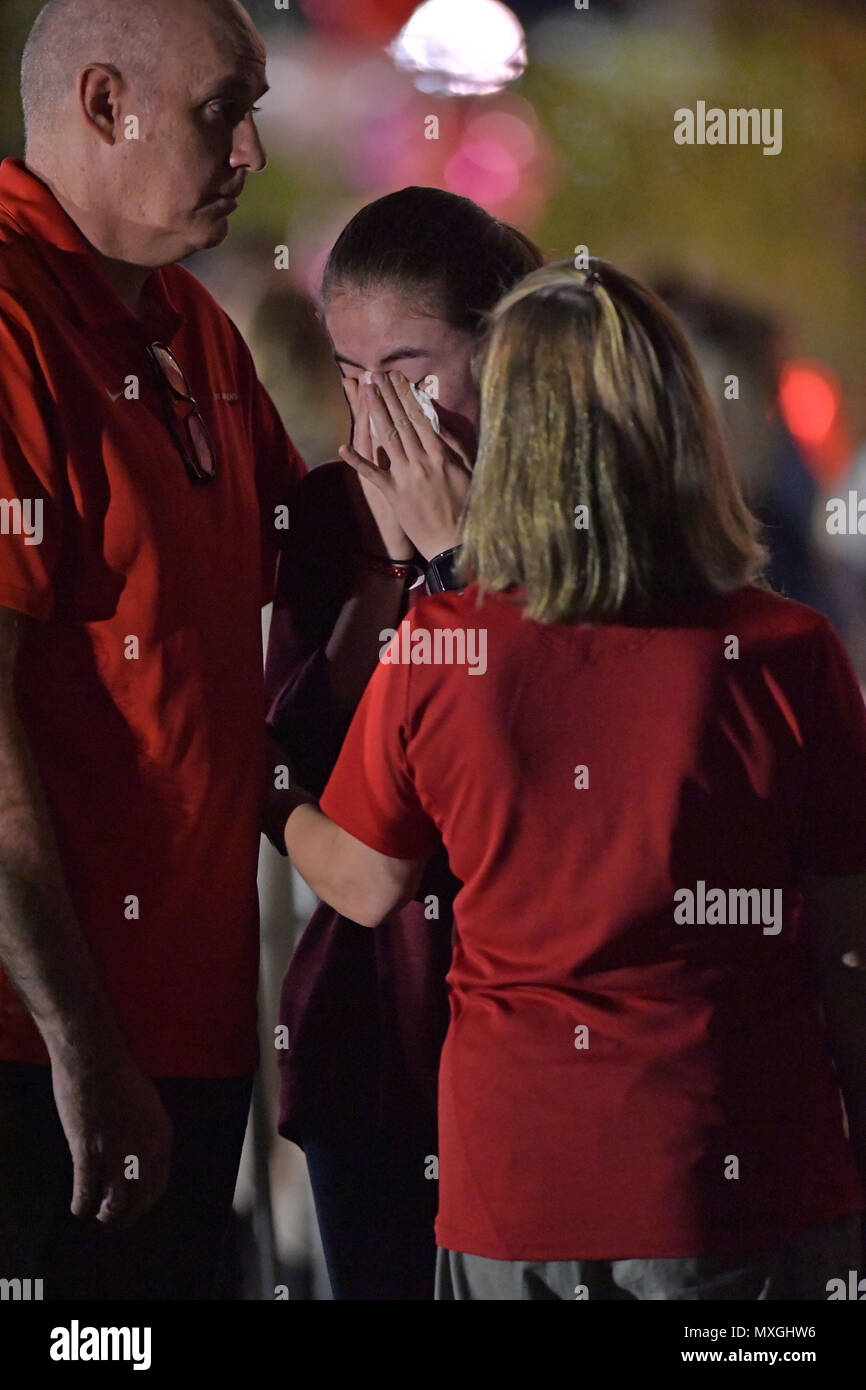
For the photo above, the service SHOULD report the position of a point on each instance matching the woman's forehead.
(373, 324)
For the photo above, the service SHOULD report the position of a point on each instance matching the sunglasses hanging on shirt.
(183, 417)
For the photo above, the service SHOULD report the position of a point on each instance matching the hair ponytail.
(437, 247)
(602, 483)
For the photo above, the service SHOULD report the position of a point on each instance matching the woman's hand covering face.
(424, 476)
(379, 527)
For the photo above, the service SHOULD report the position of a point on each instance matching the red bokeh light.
(376, 20)
(809, 395)
(812, 405)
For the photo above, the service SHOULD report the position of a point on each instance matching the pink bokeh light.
(484, 171)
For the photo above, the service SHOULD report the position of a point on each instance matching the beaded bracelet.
(395, 569)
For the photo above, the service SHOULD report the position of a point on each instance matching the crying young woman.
(405, 292)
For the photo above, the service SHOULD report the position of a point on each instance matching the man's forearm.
(50, 965)
(42, 947)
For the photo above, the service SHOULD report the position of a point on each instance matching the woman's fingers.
(360, 418)
(391, 417)
(402, 435)
(416, 433)
(380, 476)
(350, 391)
(427, 435)
(460, 458)
(430, 440)
(385, 434)
(350, 387)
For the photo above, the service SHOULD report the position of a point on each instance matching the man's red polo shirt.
(140, 682)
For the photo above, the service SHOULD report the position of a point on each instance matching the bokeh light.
(461, 47)
(809, 395)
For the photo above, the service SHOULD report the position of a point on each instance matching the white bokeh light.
(461, 47)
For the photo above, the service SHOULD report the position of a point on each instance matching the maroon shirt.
(366, 1011)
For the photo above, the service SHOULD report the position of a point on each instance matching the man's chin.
(208, 230)
(218, 233)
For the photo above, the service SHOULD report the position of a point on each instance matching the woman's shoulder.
(326, 480)
(753, 609)
(320, 507)
(763, 610)
(461, 606)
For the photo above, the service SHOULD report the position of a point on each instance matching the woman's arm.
(376, 604)
(328, 613)
(357, 881)
(330, 606)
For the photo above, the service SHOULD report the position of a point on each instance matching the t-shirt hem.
(646, 1246)
(20, 601)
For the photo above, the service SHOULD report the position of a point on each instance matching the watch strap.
(440, 572)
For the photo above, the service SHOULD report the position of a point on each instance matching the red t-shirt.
(617, 1082)
(140, 684)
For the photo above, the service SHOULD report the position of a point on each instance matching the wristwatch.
(440, 571)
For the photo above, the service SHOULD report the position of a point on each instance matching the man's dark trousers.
(172, 1252)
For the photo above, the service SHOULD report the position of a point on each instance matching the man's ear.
(99, 92)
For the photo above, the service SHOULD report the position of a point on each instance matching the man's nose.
(247, 150)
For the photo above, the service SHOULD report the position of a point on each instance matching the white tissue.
(426, 405)
(421, 397)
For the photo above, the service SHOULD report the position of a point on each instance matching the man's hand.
(119, 1135)
(110, 1112)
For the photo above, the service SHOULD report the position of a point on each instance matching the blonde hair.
(591, 398)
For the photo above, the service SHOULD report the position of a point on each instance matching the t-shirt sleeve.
(833, 837)
(371, 793)
(30, 481)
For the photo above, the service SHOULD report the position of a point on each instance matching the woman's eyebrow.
(397, 355)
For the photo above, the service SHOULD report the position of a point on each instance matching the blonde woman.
(652, 793)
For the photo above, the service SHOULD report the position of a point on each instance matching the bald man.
(143, 473)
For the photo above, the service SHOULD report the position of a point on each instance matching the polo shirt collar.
(32, 207)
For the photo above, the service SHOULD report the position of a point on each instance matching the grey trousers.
(800, 1269)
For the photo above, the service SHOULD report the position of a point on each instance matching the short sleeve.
(371, 793)
(833, 837)
(30, 481)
